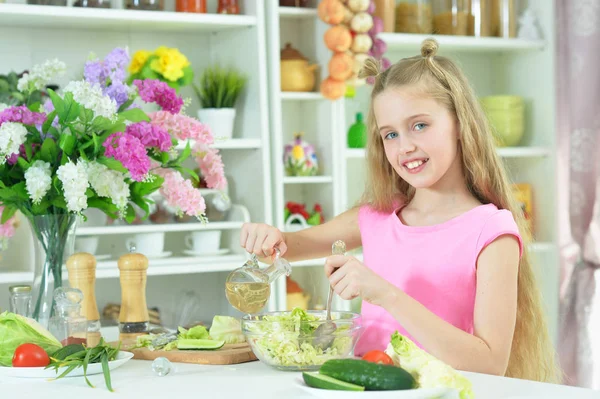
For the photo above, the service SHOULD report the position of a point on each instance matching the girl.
(442, 238)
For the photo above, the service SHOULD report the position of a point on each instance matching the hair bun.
(371, 68)
(429, 48)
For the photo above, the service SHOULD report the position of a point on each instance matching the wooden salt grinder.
(133, 316)
(82, 275)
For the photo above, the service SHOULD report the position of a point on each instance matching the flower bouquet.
(90, 147)
(166, 64)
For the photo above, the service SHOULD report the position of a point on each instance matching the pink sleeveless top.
(436, 265)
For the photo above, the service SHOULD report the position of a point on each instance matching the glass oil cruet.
(248, 288)
(68, 325)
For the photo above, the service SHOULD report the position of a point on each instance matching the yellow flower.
(298, 152)
(139, 59)
(170, 63)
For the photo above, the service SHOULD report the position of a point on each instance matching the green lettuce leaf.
(228, 329)
(429, 371)
(16, 330)
(197, 332)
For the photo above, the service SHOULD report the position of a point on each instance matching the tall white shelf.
(69, 34)
(494, 66)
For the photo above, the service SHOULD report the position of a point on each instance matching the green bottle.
(357, 134)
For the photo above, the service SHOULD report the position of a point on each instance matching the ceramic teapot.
(296, 73)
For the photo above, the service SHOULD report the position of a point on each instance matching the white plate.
(40, 372)
(165, 254)
(420, 393)
(219, 252)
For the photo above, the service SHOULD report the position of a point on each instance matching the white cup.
(86, 244)
(208, 241)
(149, 244)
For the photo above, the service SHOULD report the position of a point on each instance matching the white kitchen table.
(135, 379)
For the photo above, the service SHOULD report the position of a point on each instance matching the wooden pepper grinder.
(82, 275)
(133, 316)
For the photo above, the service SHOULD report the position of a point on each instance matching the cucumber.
(372, 376)
(316, 380)
(199, 344)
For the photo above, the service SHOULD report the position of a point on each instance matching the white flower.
(38, 180)
(41, 75)
(12, 135)
(75, 182)
(108, 183)
(3, 106)
(91, 97)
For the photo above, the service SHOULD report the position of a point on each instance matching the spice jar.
(68, 325)
(506, 13)
(414, 16)
(480, 23)
(193, 6)
(92, 3)
(20, 299)
(228, 7)
(148, 5)
(452, 17)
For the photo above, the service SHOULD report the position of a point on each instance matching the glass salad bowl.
(287, 340)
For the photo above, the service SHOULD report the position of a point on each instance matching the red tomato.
(30, 355)
(376, 356)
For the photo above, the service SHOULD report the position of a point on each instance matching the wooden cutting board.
(228, 354)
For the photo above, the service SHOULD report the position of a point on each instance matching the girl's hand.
(350, 279)
(261, 239)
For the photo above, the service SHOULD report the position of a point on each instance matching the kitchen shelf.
(504, 152)
(307, 179)
(155, 228)
(297, 12)
(301, 96)
(158, 267)
(412, 42)
(48, 17)
(228, 144)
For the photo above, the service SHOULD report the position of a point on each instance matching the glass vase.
(53, 237)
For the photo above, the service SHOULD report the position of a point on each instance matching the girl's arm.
(316, 242)
(488, 350)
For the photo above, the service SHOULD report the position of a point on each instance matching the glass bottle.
(506, 13)
(414, 16)
(193, 6)
(20, 300)
(357, 134)
(451, 17)
(248, 288)
(228, 7)
(92, 3)
(68, 325)
(148, 5)
(480, 21)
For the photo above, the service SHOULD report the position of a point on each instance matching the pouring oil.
(248, 297)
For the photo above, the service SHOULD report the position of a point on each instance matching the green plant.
(219, 87)
(11, 95)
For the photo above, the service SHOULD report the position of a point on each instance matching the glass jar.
(228, 7)
(414, 16)
(20, 300)
(452, 17)
(193, 6)
(68, 325)
(62, 3)
(506, 14)
(148, 5)
(92, 3)
(480, 23)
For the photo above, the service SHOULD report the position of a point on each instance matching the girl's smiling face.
(420, 136)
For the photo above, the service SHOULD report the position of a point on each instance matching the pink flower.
(155, 91)
(180, 194)
(182, 127)
(211, 165)
(150, 135)
(7, 230)
(23, 115)
(130, 151)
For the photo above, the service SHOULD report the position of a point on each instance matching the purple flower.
(23, 115)
(150, 135)
(118, 92)
(94, 73)
(115, 63)
(130, 151)
(22, 153)
(155, 91)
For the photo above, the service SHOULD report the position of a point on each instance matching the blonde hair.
(532, 354)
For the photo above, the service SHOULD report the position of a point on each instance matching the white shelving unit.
(70, 34)
(494, 66)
